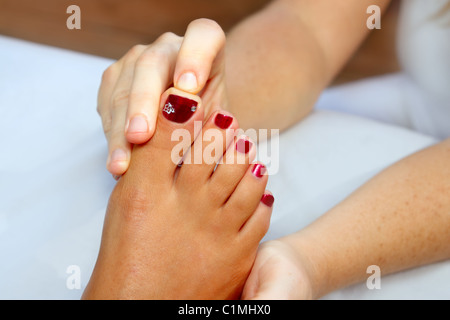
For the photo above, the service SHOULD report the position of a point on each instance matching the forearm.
(398, 220)
(274, 70)
(280, 59)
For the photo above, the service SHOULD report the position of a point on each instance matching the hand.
(129, 95)
(279, 273)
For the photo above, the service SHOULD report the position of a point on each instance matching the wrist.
(313, 260)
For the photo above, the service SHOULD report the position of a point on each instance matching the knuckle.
(153, 57)
(135, 51)
(109, 73)
(120, 98)
(107, 125)
(168, 37)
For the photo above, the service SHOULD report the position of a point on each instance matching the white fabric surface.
(418, 98)
(424, 53)
(54, 186)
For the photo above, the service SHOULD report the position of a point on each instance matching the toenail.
(223, 121)
(268, 199)
(259, 170)
(243, 146)
(179, 109)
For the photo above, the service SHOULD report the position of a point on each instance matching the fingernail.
(259, 170)
(138, 124)
(223, 121)
(187, 82)
(118, 155)
(179, 109)
(243, 145)
(268, 199)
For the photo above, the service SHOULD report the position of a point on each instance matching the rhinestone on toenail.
(179, 109)
(168, 108)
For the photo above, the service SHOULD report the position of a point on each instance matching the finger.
(152, 75)
(201, 55)
(119, 148)
(276, 290)
(109, 80)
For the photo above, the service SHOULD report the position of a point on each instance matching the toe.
(179, 121)
(257, 225)
(232, 168)
(246, 197)
(208, 148)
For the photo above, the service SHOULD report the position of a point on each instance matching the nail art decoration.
(179, 109)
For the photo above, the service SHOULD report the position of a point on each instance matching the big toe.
(179, 121)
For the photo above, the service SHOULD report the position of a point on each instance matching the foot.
(178, 226)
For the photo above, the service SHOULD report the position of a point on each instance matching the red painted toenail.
(259, 170)
(268, 199)
(179, 109)
(243, 146)
(223, 121)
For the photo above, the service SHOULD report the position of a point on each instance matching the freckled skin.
(398, 220)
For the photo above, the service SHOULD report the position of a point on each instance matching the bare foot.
(189, 231)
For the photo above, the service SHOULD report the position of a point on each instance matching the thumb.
(271, 291)
(200, 56)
